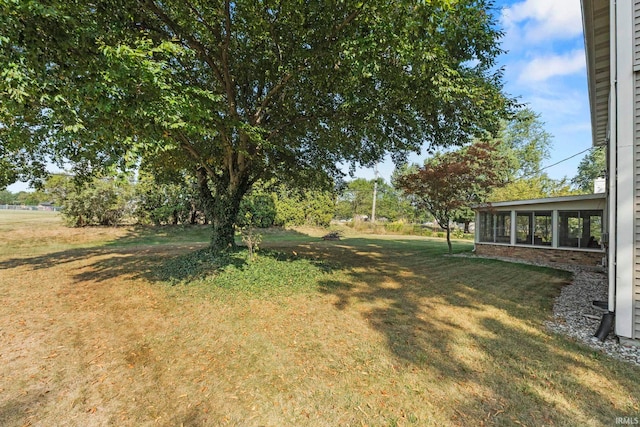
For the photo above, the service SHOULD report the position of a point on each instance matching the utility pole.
(375, 193)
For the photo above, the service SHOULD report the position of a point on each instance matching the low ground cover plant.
(269, 273)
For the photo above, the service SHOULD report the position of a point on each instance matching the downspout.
(613, 160)
(607, 322)
(476, 229)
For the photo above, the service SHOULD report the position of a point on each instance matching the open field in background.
(129, 327)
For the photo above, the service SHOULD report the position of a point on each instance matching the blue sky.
(545, 69)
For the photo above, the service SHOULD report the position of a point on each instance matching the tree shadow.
(475, 324)
(456, 318)
(12, 412)
(157, 254)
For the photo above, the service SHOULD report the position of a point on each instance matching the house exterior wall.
(623, 170)
(542, 255)
(636, 161)
(612, 40)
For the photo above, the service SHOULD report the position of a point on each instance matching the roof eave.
(596, 24)
(543, 201)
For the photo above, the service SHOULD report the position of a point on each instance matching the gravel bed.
(574, 315)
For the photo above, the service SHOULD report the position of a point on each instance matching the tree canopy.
(525, 144)
(238, 91)
(451, 181)
(593, 165)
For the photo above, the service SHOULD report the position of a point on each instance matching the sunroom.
(564, 230)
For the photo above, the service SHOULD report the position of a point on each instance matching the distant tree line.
(116, 199)
(508, 167)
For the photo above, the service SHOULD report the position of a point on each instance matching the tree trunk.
(466, 226)
(444, 221)
(226, 205)
(225, 212)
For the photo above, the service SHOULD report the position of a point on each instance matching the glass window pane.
(543, 232)
(523, 228)
(592, 221)
(569, 229)
(486, 227)
(580, 229)
(503, 227)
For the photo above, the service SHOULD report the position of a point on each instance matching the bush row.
(399, 227)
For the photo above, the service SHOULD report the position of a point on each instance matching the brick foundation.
(544, 255)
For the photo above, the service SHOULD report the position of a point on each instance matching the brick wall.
(545, 255)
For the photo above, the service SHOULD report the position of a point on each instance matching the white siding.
(636, 161)
(636, 35)
(625, 170)
(636, 130)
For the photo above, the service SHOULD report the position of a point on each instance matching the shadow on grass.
(475, 325)
(12, 412)
(164, 253)
(479, 325)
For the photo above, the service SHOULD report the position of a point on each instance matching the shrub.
(314, 208)
(457, 233)
(102, 201)
(166, 203)
(257, 210)
(395, 227)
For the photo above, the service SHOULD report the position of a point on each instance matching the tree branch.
(224, 54)
(348, 20)
(190, 39)
(203, 21)
(299, 119)
(186, 145)
(257, 117)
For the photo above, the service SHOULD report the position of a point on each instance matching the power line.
(520, 177)
(556, 163)
(568, 158)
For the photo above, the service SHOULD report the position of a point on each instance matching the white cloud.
(535, 21)
(542, 68)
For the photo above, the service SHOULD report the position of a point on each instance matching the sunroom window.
(503, 227)
(543, 232)
(486, 227)
(534, 228)
(580, 229)
(523, 228)
(495, 228)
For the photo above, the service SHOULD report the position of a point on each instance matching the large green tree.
(592, 166)
(238, 91)
(525, 144)
(356, 199)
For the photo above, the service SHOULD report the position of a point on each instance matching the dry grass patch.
(33, 232)
(393, 333)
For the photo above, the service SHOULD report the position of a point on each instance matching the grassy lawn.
(142, 326)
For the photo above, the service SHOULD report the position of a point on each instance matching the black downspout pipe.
(606, 326)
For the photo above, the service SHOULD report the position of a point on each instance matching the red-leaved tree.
(450, 181)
